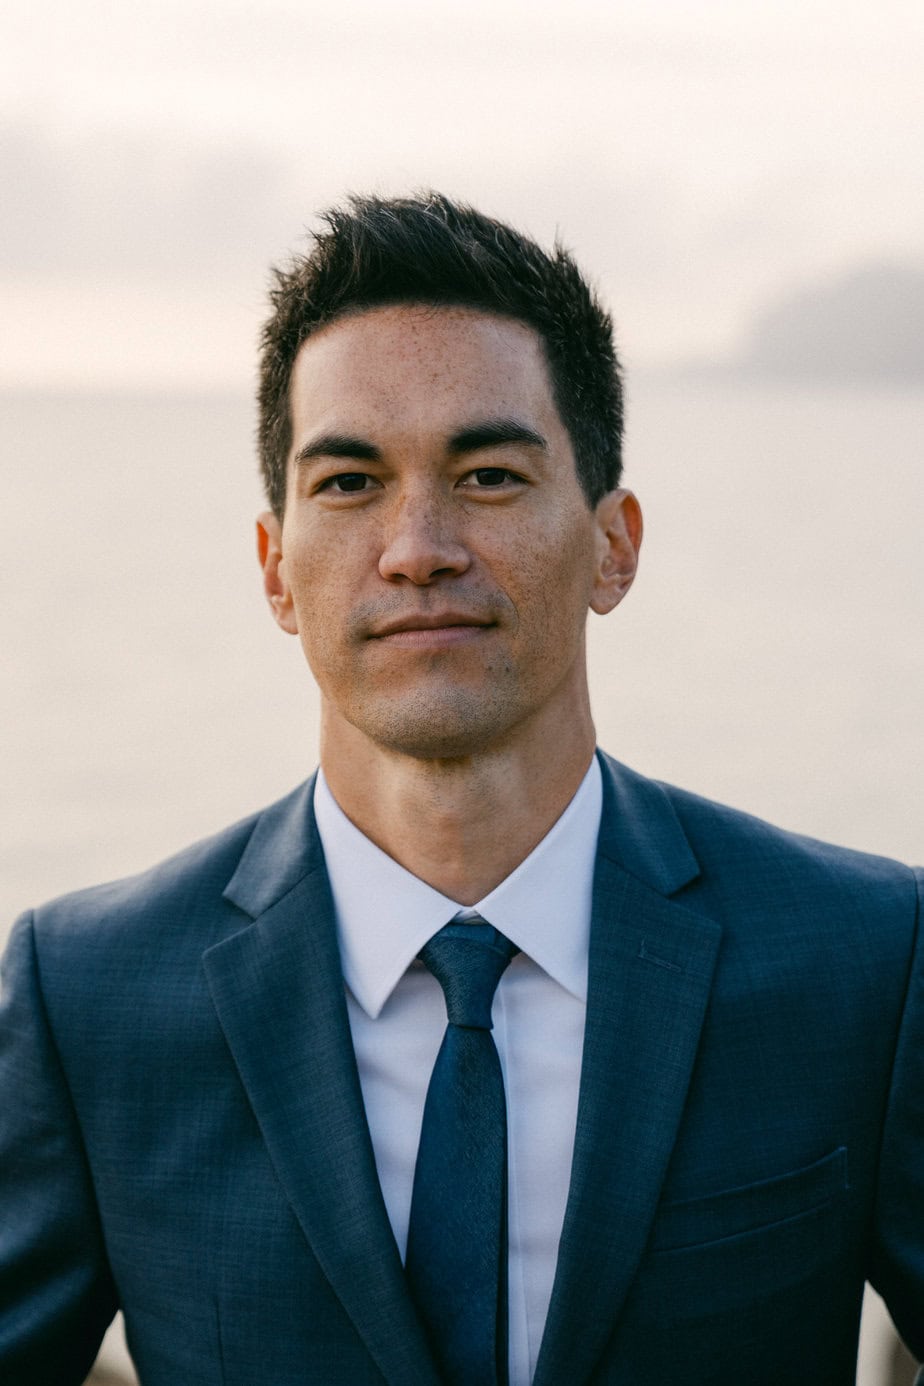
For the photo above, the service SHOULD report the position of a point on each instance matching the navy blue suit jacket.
(182, 1131)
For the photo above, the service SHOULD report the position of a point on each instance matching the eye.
(346, 483)
(491, 478)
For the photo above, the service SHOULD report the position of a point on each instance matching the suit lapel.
(651, 967)
(278, 990)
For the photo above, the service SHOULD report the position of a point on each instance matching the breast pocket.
(760, 1244)
(753, 1207)
(759, 1284)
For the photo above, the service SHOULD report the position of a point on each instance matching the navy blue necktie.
(456, 1261)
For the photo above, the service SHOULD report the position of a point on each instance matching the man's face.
(437, 556)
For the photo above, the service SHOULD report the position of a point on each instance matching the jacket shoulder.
(721, 833)
(737, 857)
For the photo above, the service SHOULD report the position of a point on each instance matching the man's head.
(441, 436)
(428, 250)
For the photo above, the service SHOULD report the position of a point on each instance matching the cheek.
(319, 569)
(555, 582)
(318, 592)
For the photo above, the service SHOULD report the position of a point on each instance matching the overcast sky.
(709, 163)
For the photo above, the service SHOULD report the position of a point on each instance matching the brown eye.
(345, 482)
(491, 476)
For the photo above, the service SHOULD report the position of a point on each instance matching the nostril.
(425, 562)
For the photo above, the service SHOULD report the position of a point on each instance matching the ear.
(269, 552)
(619, 535)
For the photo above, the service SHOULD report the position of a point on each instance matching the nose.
(422, 543)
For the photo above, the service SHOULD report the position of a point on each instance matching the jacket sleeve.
(897, 1270)
(56, 1291)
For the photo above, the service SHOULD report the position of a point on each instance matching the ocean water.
(770, 653)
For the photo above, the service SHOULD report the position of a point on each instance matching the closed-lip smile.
(434, 627)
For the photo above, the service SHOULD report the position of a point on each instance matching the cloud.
(132, 207)
(135, 251)
(138, 255)
(865, 325)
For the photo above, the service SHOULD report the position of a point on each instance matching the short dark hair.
(430, 250)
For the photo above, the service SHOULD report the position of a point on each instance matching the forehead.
(408, 362)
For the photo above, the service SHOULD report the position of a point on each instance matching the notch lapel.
(277, 987)
(651, 968)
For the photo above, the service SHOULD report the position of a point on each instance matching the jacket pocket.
(759, 1284)
(751, 1208)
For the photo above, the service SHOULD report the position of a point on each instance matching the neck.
(461, 824)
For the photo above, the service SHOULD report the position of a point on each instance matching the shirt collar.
(385, 915)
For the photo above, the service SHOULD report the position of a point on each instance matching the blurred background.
(742, 183)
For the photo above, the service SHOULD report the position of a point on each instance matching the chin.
(436, 729)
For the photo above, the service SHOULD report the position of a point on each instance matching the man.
(237, 1105)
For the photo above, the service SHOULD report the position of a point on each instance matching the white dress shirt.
(398, 1016)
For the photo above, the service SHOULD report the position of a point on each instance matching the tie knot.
(468, 960)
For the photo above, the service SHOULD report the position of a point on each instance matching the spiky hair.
(427, 249)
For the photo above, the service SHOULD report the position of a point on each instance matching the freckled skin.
(407, 379)
(390, 522)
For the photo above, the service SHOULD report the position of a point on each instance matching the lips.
(431, 621)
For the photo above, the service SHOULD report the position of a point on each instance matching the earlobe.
(619, 520)
(269, 553)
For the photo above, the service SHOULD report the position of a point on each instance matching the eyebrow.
(489, 433)
(494, 433)
(339, 445)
